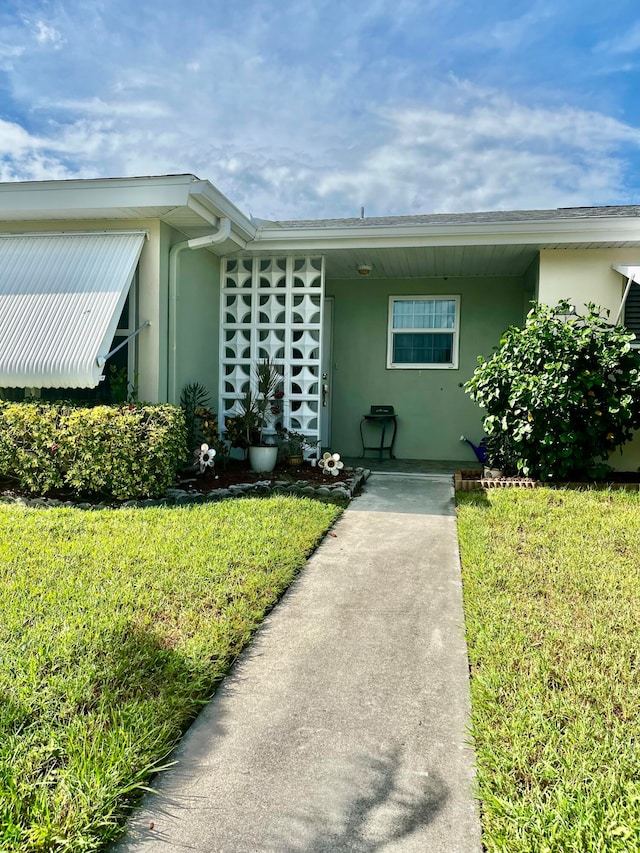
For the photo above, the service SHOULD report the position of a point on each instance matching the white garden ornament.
(330, 463)
(205, 457)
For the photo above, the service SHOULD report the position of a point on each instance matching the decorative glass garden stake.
(205, 457)
(330, 463)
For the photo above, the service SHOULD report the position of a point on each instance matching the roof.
(185, 202)
(483, 217)
(449, 244)
(194, 207)
(61, 296)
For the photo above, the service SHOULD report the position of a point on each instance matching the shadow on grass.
(152, 693)
(100, 724)
(477, 498)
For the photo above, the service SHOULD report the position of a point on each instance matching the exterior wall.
(582, 276)
(150, 378)
(531, 284)
(432, 407)
(198, 320)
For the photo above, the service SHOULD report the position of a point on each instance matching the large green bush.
(121, 452)
(563, 392)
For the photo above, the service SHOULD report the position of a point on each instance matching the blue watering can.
(480, 450)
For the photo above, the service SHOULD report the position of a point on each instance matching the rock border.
(329, 492)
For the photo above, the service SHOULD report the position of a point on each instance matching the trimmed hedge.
(120, 452)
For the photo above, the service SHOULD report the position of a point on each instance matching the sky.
(299, 109)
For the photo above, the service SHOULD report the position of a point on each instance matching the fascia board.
(73, 199)
(205, 198)
(558, 231)
(111, 198)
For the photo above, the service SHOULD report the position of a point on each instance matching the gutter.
(205, 200)
(550, 233)
(175, 251)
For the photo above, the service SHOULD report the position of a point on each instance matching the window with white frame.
(423, 332)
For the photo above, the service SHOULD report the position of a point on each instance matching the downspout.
(175, 251)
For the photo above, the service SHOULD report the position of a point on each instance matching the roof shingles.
(494, 217)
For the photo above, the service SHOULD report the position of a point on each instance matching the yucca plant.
(257, 399)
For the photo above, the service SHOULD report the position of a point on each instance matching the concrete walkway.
(343, 727)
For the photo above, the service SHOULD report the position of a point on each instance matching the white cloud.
(9, 52)
(114, 108)
(514, 33)
(45, 34)
(15, 140)
(306, 108)
(625, 42)
(24, 157)
(487, 153)
(482, 151)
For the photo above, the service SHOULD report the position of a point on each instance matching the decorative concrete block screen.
(272, 308)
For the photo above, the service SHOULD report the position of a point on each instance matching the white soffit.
(629, 272)
(61, 296)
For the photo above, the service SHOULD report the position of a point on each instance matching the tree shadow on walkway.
(377, 801)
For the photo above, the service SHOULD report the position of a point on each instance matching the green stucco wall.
(198, 320)
(433, 410)
(530, 282)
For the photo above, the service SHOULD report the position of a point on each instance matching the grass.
(116, 627)
(552, 606)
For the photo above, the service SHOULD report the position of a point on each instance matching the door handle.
(325, 393)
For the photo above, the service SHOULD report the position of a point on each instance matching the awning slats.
(61, 296)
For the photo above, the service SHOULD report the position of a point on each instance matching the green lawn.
(552, 604)
(116, 626)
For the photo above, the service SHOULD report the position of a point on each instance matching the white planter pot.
(263, 459)
(493, 473)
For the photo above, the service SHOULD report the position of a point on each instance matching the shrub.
(563, 392)
(127, 452)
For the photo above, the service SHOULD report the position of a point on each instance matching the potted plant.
(293, 445)
(500, 456)
(255, 406)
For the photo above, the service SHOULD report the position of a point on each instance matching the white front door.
(327, 373)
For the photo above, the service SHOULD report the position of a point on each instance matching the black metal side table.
(385, 417)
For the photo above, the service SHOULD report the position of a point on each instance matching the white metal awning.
(61, 296)
(629, 272)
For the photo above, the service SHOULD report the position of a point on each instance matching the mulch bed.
(238, 472)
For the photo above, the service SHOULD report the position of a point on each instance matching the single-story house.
(164, 278)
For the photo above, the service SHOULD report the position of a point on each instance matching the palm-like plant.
(256, 400)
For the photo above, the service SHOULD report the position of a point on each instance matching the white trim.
(142, 231)
(153, 197)
(541, 233)
(455, 332)
(631, 273)
(628, 271)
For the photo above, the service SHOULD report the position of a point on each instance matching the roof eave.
(608, 229)
(73, 198)
(203, 196)
(122, 198)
